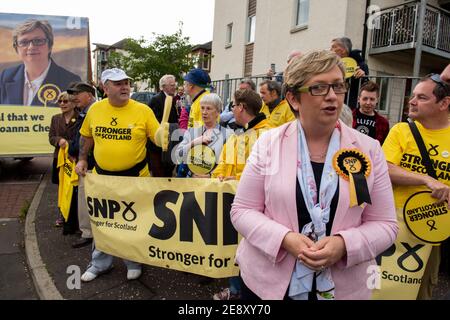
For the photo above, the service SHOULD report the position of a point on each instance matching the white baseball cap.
(114, 74)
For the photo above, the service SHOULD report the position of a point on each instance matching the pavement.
(49, 268)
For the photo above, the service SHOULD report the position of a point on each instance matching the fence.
(393, 102)
(398, 26)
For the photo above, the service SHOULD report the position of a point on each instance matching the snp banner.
(41, 56)
(24, 130)
(401, 267)
(181, 224)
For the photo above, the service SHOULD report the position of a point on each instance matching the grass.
(24, 210)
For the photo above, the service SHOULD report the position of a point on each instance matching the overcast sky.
(111, 21)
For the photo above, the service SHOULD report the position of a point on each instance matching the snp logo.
(109, 208)
(374, 279)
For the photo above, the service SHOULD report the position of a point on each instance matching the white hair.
(212, 99)
(164, 78)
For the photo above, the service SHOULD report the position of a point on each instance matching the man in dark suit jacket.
(168, 87)
(38, 80)
(343, 48)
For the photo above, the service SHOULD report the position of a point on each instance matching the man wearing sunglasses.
(20, 85)
(429, 108)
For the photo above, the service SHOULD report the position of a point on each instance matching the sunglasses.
(437, 79)
(63, 101)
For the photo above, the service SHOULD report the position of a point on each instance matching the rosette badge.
(354, 166)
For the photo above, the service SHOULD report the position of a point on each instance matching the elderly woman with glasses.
(314, 204)
(22, 84)
(62, 127)
(62, 130)
(207, 139)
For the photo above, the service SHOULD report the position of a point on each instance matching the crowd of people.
(311, 224)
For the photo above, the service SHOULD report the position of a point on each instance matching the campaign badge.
(427, 220)
(354, 166)
(48, 93)
(201, 159)
(350, 66)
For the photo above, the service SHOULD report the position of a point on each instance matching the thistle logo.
(109, 208)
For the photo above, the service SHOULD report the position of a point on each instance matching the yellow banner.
(68, 178)
(24, 130)
(180, 224)
(402, 266)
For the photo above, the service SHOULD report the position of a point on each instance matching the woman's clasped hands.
(315, 255)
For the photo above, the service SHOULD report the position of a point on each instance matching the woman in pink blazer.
(303, 235)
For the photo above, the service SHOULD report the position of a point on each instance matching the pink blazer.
(265, 209)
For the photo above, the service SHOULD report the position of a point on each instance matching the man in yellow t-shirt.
(195, 84)
(118, 127)
(277, 110)
(246, 111)
(429, 108)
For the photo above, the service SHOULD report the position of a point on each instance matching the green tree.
(149, 61)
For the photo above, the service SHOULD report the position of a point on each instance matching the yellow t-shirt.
(120, 134)
(236, 151)
(401, 149)
(195, 114)
(280, 115)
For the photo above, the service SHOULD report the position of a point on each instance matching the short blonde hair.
(212, 99)
(65, 95)
(302, 68)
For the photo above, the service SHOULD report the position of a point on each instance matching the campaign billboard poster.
(41, 56)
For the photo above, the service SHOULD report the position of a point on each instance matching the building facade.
(202, 53)
(101, 57)
(251, 35)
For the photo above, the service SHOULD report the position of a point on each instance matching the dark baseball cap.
(199, 77)
(81, 87)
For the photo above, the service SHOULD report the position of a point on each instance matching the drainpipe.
(226, 89)
(366, 31)
(419, 41)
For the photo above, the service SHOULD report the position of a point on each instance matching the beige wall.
(273, 39)
(228, 60)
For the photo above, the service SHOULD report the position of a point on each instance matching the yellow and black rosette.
(354, 166)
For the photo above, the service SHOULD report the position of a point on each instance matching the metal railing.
(398, 26)
(393, 101)
(225, 88)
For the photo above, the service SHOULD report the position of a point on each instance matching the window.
(102, 56)
(229, 35)
(302, 13)
(251, 29)
(385, 91)
(205, 61)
